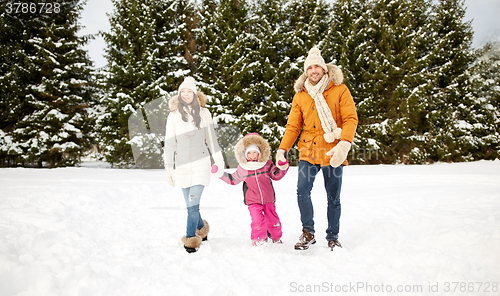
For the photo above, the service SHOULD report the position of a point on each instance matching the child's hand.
(281, 159)
(215, 170)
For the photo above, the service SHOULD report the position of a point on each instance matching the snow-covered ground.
(406, 230)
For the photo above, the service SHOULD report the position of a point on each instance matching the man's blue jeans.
(192, 196)
(333, 182)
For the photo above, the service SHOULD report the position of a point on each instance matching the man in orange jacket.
(323, 109)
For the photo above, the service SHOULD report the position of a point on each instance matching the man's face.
(315, 73)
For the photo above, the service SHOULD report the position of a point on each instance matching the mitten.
(339, 153)
(281, 161)
(170, 176)
(216, 172)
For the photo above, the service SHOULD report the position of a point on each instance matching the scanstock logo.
(147, 127)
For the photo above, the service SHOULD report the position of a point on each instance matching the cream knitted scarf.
(325, 114)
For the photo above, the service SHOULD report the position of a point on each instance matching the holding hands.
(281, 161)
(216, 171)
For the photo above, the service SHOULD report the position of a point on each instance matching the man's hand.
(339, 153)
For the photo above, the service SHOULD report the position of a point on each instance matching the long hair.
(195, 110)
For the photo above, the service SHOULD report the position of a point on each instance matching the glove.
(339, 153)
(281, 161)
(170, 176)
(330, 137)
(216, 172)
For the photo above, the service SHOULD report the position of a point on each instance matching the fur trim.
(173, 103)
(335, 75)
(259, 141)
(203, 232)
(192, 242)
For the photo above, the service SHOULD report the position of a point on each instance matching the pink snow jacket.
(256, 176)
(257, 186)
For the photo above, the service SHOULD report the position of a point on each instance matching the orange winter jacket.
(304, 117)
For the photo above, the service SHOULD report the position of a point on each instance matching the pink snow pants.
(264, 218)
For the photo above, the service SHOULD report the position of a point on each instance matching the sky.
(483, 13)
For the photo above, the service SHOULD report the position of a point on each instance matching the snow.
(101, 231)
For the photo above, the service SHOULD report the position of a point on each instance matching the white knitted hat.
(251, 147)
(314, 58)
(188, 83)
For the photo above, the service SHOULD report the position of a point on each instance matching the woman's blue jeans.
(333, 182)
(192, 196)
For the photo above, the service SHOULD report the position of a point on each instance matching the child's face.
(252, 155)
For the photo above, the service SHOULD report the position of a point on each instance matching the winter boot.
(191, 244)
(334, 243)
(203, 232)
(305, 240)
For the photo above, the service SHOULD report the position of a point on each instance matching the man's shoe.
(334, 243)
(305, 240)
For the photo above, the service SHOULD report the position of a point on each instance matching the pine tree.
(451, 93)
(221, 28)
(382, 48)
(484, 115)
(271, 90)
(46, 86)
(345, 45)
(147, 50)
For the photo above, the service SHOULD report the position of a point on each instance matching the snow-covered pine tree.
(450, 96)
(345, 45)
(306, 25)
(220, 26)
(175, 40)
(385, 59)
(273, 91)
(208, 41)
(484, 115)
(46, 86)
(146, 51)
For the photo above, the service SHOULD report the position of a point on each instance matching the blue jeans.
(192, 196)
(333, 182)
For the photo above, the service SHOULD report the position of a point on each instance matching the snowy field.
(406, 230)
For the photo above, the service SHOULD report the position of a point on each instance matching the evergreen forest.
(422, 93)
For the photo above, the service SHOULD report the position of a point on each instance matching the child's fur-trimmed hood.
(259, 141)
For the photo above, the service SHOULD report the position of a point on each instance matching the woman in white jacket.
(190, 139)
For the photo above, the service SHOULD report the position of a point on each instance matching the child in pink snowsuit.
(256, 170)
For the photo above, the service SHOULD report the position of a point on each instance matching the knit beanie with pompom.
(188, 83)
(314, 58)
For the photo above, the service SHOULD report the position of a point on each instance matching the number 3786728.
(32, 7)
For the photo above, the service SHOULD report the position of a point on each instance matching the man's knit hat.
(188, 83)
(314, 58)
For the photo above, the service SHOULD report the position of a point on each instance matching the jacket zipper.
(258, 185)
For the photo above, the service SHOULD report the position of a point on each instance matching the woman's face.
(187, 95)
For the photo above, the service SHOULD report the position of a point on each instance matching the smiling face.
(187, 95)
(315, 73)
(252, 155)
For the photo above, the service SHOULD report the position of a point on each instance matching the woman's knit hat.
(314, 58)
(188, 83)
